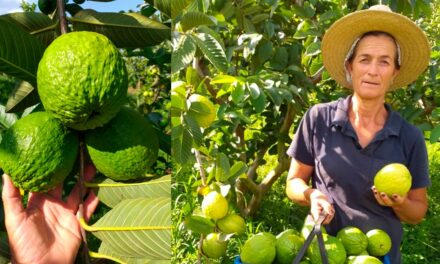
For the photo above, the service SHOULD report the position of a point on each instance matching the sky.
(9, 6)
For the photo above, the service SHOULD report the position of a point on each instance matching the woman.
(341, 145)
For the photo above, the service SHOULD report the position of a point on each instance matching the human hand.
(47, 230)
(385, 200)
(319, 203)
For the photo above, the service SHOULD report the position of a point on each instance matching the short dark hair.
(377, 34)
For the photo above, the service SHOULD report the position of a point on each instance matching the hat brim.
(414, 45)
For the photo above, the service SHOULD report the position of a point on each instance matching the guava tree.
(142, 38)
(259, 63)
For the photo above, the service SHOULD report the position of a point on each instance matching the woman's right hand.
(320, 203)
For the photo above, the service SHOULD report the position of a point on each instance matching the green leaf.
(212, 50)
(280, 59)
(138, 228)
(306, 29)
(194, 19)
(6, 120)
(111, 192)
(265, 51)
(223, 78)
(127, 30)
(199, 224)
(181, 144)
(23, 96)
(259, 103)
(222, 167)
(313, 49)
(164, 6)
(73, 9)
(183, 54)
(238, 93)
(237, 169)
(20, 52)
(305, 11)
(107, 252)
(435, 134)
(254, 90)
(178, 6)
(36, 24)
(194, 129)
(274, 95)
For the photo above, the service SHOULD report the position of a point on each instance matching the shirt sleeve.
(418, 162)
(301, 147)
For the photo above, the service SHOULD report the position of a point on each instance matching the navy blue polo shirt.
(344, 171)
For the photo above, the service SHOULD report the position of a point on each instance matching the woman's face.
(372, 69)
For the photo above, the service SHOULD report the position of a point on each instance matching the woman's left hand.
(385, 200)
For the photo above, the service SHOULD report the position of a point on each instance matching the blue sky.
(8, 6)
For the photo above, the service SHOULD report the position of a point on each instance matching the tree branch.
(62, 16)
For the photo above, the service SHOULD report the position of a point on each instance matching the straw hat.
(414, 45)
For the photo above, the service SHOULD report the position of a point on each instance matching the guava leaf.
(36, 24)
(20, 52)
(6, 120)
(194, 19)
(183, 54)
(105, 251)
(199, 224)
(177, 6)
(127, 30)
(164, 6)
(212, 50)
(111, 192)
(23, 96)
(138, 228)
(181, 144)
(222, 167)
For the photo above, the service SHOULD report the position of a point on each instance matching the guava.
(353, 239)
(125, 147)
(38, 152)
(47, 6)
(214, 246)
(288, 245)
(202, 110)
(82, 80)
(393, 178)
(259, 249)
(214, 205)
(336, 253)
(379, 242)
(232, 224)
(363, 260)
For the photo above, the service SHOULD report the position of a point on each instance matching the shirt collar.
(392, 125)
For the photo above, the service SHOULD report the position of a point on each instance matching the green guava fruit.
(335, 250)
(259, 249)
(47, 6)
(38, 152)
(202, 110)
(288, 244)
(214, 246)
(393, 178)
(125, 147)
(363, 260)
(82, 80)
(379, 242)
(353, 239)
(214, 205)
(232, 224)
